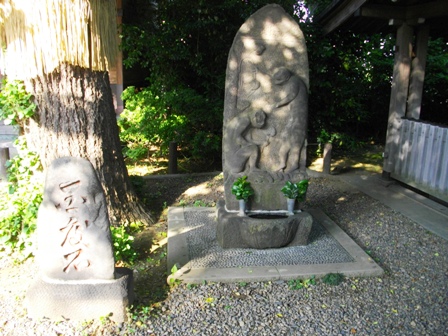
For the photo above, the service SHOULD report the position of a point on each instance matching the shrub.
(15, 103)
(18, 210)
(123, 245)
(20, 203)
(333, 279)
(154, 117)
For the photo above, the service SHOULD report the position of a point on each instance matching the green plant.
(20, 203)
(295, 190)
(296, 284)
(15, 103)
(19, 206)
(191, 286)
(154, 117)
(326, 137)
(173, 281)
(199, 203)
(123, 245)
(333, 279)
(241, 189)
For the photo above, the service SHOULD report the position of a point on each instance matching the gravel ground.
(410, 299)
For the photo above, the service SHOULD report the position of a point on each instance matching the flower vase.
(291, 202)
(242, 204)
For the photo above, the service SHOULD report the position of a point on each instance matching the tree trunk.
(76, 117)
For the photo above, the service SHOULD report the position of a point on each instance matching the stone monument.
(78, 279)
(265, 130)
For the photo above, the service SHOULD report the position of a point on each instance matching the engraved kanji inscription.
(73, 225)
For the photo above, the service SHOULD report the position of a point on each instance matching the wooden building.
(416, 152)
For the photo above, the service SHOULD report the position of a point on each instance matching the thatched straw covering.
(38, 35)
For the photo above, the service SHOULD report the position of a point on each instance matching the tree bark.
(76, 117)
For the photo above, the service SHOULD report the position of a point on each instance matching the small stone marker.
(73, 225)
(78, 277)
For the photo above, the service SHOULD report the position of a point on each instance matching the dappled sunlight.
(202, 189)
(142, 170)
(367, 160)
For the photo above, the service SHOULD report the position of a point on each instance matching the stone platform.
(82, 300)
(193, 247)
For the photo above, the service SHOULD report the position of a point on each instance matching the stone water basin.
(263, 230)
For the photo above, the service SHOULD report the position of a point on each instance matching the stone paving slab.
(182, 253)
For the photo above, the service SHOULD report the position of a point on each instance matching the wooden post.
(4, 156)
(116, 70)
(418, 73)
(399, 95)
(172, 158)
(327, 158)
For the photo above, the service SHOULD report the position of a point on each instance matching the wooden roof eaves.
(341, 11)
(337, 13)
(437, 8)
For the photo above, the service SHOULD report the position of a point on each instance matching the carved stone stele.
(266, 107)
(78, 279)
(74, 239)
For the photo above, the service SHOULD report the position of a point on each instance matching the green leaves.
(301, 283)
(15, 103)
(123, 245)
(154, 117)
(295, 190)
(19, 206)
(241, 189)
(333, 279)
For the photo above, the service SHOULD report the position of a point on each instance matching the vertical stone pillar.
(172, 159)
(328, 147)
(4, 156)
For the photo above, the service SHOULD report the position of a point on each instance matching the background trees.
(185, 53)
(183, 45)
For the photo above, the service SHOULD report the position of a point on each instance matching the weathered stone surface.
(266, 107)
(234, 231)
(82, 300)
(74, 239)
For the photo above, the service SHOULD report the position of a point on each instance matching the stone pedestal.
(82, 300)
(280, 230)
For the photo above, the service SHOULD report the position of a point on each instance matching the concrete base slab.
(431, 215)
(192, 246)
(82, 300)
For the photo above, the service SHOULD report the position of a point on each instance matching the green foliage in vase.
(242, 189)
(295, 190)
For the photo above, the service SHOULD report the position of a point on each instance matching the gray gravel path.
(410, 299)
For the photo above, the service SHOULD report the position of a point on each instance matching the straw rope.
(38, 35)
